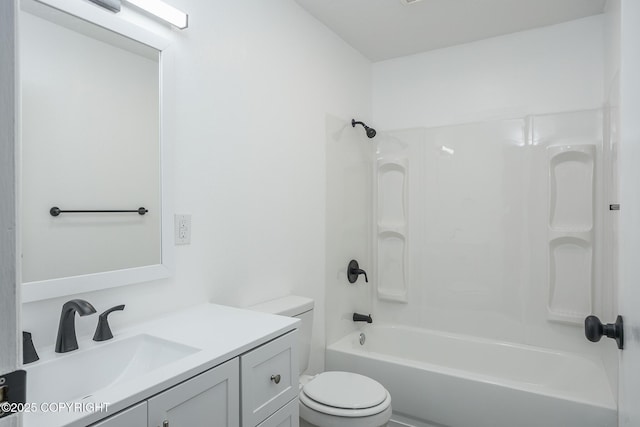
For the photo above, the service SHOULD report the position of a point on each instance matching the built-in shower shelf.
(391, 230)
(571, 189)
(570, 231)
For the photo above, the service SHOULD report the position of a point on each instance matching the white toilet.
(331, 399)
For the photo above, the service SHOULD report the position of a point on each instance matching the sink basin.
(75, 375)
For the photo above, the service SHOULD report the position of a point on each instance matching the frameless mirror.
(91, 141)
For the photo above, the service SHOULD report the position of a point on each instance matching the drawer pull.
(275, 378)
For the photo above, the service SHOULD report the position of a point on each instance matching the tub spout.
(357, 317)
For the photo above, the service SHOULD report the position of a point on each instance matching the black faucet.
(67, 340)
(103, 331)
(357, 317)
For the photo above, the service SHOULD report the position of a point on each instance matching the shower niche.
(391, 228)
(571, 231)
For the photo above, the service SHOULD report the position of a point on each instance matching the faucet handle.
(29, 353)
(103, 331)
(354, 270)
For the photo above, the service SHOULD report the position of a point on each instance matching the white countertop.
(221, 333)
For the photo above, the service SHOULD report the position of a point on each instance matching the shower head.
(371, 132)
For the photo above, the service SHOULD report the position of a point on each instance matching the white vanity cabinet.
(211, 399)
(259, 388)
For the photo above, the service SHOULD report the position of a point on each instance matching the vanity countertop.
(220, 333)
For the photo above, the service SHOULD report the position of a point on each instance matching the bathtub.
(439, 379)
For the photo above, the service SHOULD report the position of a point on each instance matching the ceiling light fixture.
(161, 10)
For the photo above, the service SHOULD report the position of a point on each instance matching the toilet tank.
(301, 308)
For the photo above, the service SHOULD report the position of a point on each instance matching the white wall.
(551, 69)
(254, 82)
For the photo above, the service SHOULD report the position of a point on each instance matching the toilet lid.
(345, 390)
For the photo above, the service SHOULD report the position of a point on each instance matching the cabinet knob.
(165, 423)
(275, 378)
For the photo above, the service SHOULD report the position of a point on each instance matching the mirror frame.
(52, 288)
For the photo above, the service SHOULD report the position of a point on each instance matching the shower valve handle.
(354, 270)
(594, 330)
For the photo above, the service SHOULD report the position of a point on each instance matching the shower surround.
(491, 234)
(493, 229)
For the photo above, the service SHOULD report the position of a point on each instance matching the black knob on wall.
(594, 330)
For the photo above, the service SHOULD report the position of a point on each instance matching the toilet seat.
(345, 394)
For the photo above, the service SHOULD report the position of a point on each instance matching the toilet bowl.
(331, 399)
(344, 399)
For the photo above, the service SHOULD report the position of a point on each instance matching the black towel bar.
(55, 211)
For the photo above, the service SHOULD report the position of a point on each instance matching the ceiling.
(384, 29)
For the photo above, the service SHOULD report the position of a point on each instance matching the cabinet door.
(287, 416)
(211, 399)
(135, 416)
(269, 378)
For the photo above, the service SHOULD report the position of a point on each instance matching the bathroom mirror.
(91, 141)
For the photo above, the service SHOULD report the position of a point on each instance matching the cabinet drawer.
(288, 416)
(260, 369)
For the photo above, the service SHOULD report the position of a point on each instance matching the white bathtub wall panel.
(349, 223)
(465, 206)
(474, 226)
(563, 330)
(573, 145)
(401, 148)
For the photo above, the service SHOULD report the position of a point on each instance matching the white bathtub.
(438, 379)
